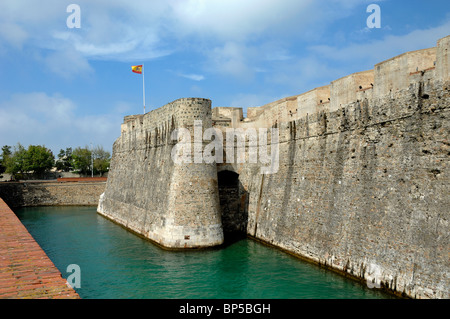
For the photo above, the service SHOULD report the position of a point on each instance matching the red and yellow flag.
(137, 69)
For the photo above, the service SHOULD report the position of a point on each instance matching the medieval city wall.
(174, 205)
(362, 183)
(366, 194)
(387, 77)
(363, 187)
(51, 193)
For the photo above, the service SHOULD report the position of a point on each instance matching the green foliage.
(6, 154)
(101, 160)
(15, 163)
(64, 162)
(36, 159)
(81, 160)
(6, 151)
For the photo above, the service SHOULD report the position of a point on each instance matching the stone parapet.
(362, 185)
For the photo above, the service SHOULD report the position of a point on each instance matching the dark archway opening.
(234, 205)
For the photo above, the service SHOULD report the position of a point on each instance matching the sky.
(64, 86)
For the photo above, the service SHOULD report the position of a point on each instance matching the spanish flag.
(137, 69)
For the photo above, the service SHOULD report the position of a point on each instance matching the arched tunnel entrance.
(234, 205)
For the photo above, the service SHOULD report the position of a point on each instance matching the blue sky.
(67, 87)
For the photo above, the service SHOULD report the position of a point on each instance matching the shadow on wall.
(18, 194)
(12, 193)
(234, 205)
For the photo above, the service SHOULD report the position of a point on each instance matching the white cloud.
(322, 64)
(194, 77)
(37, 118)
(234, 37)
(304, 74)
(142, 30)
(110, 30)
(13, 34)
(67, 63)
(236, 19)
(386, 48)
(232, 59)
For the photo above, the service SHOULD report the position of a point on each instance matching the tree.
(81, 160)
(38, 159)
(101, 160)
(6, 154)
(15, 163)
(64, 162)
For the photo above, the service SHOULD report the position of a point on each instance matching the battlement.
(387, 77)
(155, 127)
(361, 184)
(179, 113)
(395, 74)
(227, 116)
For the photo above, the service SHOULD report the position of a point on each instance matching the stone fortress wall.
(51, 193)
(176, 206)
(386, 78)
(362, 185)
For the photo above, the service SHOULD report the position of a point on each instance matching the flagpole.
(143, 86)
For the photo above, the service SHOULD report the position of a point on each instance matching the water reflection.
(118, 264)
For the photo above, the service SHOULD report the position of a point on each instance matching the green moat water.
(115, 263)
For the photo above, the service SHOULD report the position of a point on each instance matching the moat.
(116, 263)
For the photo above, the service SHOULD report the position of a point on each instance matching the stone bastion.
(361, 185)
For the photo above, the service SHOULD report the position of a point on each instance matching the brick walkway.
(25, 269)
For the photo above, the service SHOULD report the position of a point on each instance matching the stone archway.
(234, 204)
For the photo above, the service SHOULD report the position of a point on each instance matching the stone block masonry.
(176, 206)
(51, 193)
(370, 199)
(25, 270)
(362, 186)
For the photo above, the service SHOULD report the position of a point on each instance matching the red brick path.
(25, 269)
